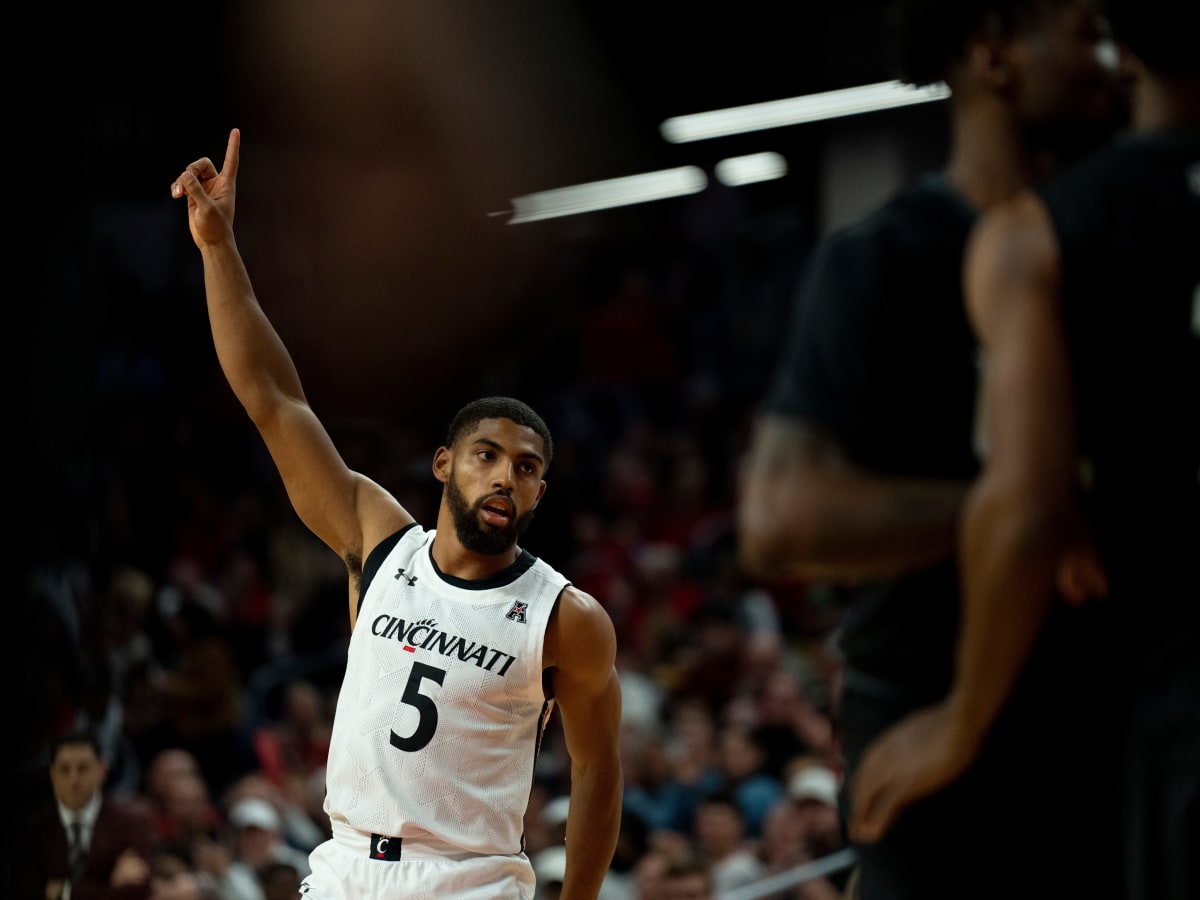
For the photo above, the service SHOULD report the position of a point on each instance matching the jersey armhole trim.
(376, 557)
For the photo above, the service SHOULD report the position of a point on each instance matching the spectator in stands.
(688, 878)
(741, 758)
(86, 844)
(257, 835)
(720, 836)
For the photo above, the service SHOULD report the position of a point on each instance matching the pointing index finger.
(232, 153)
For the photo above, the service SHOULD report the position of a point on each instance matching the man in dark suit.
(84, 845)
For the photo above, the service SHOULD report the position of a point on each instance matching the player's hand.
(210, 194)
(917, 756)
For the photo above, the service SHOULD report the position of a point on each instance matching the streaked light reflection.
(596, 195)
(796, 110)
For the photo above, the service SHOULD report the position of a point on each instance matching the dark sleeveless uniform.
(1128, 226)
(881, 355)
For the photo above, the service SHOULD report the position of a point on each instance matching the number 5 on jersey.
(424, 705)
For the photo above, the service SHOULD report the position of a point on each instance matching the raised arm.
(346, 510)
(1017, 521)
(806, 512)
(581, 648)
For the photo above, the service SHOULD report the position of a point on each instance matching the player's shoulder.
(581, 618)
(581, 634)
(1124, 173)
(928, 208)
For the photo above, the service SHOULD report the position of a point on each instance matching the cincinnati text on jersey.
(425, 634)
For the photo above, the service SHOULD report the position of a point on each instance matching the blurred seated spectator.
(687, 878)
(720, 835)
(302, 828)
(648, 874)
(280, 881)
(813, 791)
(805, 826)
(202, 695)
(691, 769)
(187, 815)
(741, 758)
(162, 767)
(213, 861)
(257, 835)
(298, 742)
(790, 721)
(292, 751)
(84, 844)
(173, 878)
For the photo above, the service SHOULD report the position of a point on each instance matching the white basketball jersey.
(441, 712)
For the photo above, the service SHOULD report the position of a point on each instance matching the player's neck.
(988, 160)
(453, 559)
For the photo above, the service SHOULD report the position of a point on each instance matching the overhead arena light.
(738, 170)
(796, 110)
(735, 171)
(596, 195)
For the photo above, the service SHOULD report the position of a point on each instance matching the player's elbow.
(770, 545)
(783, 502)
(1027, 519)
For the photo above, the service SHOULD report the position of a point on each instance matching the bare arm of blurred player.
(1017, 521)
(806, 512)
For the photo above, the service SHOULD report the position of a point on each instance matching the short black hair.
(500, 408)
(1160, 33)
(929, 36)
(76, 737)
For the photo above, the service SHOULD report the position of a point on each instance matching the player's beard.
(478, 536)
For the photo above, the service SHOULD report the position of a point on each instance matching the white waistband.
(359, 843)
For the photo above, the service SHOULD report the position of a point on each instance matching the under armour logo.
(411, 579)
(517, 613)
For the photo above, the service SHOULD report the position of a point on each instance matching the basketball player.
(1085, 295)
(864, 447)
(462, 642)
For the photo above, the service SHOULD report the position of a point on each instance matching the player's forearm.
(252, 356)
(846, 527)
(871, 527)
(1010, 545)
(593, 823)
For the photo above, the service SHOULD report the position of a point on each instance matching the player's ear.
(989, 54)
(443, 460)
(541, 493)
